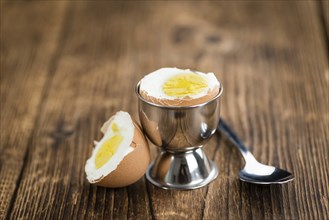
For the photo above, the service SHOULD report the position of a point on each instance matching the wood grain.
(67, 66)
(26, 66)
(324, 13)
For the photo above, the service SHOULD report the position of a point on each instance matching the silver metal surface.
(255, 172)
(182, 170)
(180, 133)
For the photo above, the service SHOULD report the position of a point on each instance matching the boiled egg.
(121, 157)
(179, 87)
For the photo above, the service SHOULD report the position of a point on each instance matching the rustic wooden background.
(67, 66)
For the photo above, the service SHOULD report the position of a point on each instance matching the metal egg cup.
(180, 133)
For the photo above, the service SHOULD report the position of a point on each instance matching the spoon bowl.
(265, 174)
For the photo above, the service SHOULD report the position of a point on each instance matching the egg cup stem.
(181, 170)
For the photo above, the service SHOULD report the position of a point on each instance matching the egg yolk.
(108, 148)
(115, 127)
(184, 84)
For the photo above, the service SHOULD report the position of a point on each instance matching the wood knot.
(213, 39)
(60, 133)
(182, 33)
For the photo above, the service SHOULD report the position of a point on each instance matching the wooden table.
(68, 66)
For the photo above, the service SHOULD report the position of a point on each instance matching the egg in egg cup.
(179, 111)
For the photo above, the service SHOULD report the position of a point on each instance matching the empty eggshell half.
(122, 156)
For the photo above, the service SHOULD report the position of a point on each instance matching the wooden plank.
(274, 97)
(88, 86)
(24, 74)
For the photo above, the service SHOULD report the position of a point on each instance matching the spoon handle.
(224, 128)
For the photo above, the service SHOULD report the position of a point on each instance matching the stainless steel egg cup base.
(181, 170)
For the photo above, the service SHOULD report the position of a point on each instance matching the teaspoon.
(253, 171)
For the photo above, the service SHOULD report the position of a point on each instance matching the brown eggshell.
(133, 166)
(185, 101)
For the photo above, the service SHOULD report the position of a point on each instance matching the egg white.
(126, 129)
(152, 83)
